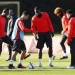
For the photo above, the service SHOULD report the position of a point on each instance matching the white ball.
(31, 65)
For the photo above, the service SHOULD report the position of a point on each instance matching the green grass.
(59, 69)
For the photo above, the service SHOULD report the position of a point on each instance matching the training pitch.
(59, 69)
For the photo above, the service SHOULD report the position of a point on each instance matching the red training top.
(2, 26)
(22, 27)
(71, 29)
(64, 22)
(42, 24)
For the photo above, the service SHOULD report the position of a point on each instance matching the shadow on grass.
(5, 68)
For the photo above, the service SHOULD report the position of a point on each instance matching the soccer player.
(60, 13)
(17, 36)
(71, 36)
(3, 36)
(42, 25)
(10, 26)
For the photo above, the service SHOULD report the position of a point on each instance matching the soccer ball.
(31, 65)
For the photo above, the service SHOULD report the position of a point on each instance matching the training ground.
(60, 66)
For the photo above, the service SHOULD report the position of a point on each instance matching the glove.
(36, 37)
(52, 34)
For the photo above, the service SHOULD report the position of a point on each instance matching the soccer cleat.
(8, 59)
(70, 67)
(40, 64)
(11, 66)
(21, 66)
(50, 64)
(26, 56)
(64, 57)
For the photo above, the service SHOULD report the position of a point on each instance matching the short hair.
(58, 10)
(11, 12)
(69, 11)
(5, 10)
(36, 8)
(25, 13)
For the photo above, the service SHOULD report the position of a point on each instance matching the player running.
(60, 13)
(42, 25)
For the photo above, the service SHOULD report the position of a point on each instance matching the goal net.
(14, 5)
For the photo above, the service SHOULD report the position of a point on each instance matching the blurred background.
(18, 6)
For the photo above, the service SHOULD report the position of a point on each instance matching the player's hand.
(52, 34)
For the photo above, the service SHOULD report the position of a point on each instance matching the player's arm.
(33, 27)
(70, 27)
(22, 27)
(50, 24)
(66, 29)
(64, 23)
(11, 27)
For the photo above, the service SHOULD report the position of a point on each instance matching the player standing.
(10, 26)
(42, 25)
(71, 37)
(60, 13)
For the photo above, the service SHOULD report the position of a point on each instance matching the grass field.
(59, 69)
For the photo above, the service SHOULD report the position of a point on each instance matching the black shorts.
(7, 40)
(44, 38)
(18, 45)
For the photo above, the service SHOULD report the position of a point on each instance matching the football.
(31, 65)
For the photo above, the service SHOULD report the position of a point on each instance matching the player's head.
(69, 13)
(59, 12)
(37, 11)
(10, 13)
(5, 11)
(25, 15)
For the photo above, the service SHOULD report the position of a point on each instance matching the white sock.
(65, 54)
(20, 61)
(40, 61)
(11, 61)
(50, 60)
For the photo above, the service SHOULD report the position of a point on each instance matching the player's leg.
(40, 45)
(7, 40)
(16, 49)
(0, 47)
(64, 37)
(48, 40)
(72, 51)
(10, 52)
(23, 48)
(12, 60)
(40, 57)
(21, 58)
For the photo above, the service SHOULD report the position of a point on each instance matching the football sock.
(20, 61)
(11, 61)
(65, 54)
(50, 60)
(40, 61)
